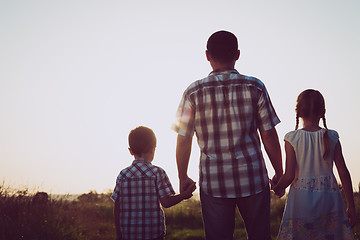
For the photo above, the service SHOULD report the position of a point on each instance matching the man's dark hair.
(141, 140)
(222, 46)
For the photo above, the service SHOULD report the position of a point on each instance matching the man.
(226, 110)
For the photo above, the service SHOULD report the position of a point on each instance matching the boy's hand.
(185, 183)
(187, 193)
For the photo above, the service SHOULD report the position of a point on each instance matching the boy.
(139, 190)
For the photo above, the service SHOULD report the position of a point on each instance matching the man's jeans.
(219, 216)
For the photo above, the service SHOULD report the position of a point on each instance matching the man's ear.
(237, 55)
(208, 57)
(131, 152)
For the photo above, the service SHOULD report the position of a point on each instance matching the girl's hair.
(311, 104)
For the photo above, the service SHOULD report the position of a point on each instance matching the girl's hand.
(275, 188)
(352, 216)
(272, 183)
(279, 192)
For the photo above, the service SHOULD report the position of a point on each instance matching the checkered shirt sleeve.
(226, 111)
(138, 189)
(185, 117)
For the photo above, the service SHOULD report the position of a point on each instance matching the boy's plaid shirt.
(225, 110)
(138, 190)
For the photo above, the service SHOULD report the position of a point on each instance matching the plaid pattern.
(225, 110)
(138, 190)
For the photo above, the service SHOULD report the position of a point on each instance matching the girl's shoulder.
(333, 134)
(292, 135)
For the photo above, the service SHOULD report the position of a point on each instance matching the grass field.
(38, 216)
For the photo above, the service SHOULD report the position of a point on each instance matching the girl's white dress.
(314, 208)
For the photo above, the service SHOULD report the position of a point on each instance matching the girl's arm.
(346, 183)
(289, 174)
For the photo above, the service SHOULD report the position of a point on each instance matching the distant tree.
(40, 198)
(92, 196)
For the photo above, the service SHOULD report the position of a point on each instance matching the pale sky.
(77, 76)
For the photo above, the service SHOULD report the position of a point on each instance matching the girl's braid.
(297, 121)
(326, 138)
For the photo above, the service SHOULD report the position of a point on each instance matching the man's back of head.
(223, 46)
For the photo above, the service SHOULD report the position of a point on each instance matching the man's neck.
(217, 67)
(222, 70)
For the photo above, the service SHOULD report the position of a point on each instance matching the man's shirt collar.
(223, 71)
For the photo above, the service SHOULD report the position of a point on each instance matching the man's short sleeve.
(116, 193)
(267, 118)
(163, 184)
(185, 117)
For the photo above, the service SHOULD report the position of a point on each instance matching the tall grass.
(38, 216)
(27, 216)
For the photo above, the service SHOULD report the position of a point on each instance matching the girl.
(315, 208)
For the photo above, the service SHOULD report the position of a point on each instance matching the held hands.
(188, 191)
(187, 187)
(275, 187)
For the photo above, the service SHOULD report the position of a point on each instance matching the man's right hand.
(188, 192)
(185, 183)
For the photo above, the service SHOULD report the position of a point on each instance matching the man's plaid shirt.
(138, 190)
(226, 110)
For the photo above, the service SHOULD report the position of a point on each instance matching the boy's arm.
(117, 219)
(346, 183)
(173, 199)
